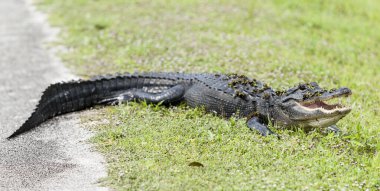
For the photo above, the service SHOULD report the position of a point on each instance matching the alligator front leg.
(332, 129)
(255, 123)
(170, 95)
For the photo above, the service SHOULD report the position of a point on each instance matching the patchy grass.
(335, 43)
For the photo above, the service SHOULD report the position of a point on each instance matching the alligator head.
(309, 106)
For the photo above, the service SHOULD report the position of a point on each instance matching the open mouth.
(329, 102)
(328, 105)
(322, 110)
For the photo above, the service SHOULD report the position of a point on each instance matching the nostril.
(345, 90)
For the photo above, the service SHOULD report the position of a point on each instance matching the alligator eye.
(302, 86)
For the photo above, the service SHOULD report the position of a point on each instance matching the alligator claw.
(255, 124)
(332, 129)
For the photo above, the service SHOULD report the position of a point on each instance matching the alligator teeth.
(326, 106)
(346, 101)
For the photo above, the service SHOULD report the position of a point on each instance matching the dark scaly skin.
(225, 95)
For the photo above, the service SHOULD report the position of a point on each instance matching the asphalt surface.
(55, 156)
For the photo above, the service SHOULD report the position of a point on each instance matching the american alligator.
(226, 95)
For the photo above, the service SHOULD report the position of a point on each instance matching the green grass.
(335, 43)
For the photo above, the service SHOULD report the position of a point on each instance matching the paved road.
(56, 155)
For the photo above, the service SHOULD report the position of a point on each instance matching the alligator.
(305, 105)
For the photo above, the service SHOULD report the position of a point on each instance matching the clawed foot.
(332, 129)
(255, 125)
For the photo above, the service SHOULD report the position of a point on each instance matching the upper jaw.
(327, 95)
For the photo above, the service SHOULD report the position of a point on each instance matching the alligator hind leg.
(117, 99)
(170, 95)
(255, 124)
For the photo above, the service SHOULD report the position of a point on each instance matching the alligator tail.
(61, 98)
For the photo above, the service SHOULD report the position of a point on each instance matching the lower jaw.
(310, 125)
(321, 122)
